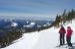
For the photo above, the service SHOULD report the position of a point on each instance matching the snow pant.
(62, 40)
(69, 41)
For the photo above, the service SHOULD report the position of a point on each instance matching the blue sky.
(36, 7)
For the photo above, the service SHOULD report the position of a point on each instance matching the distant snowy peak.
(30, 25)
(14, 24)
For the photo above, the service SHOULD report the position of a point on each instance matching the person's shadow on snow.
(73, 44)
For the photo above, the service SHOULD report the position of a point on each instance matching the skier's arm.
(72, 31)
(59, 30)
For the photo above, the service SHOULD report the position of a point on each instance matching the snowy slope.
(26, 42)
(46, 39)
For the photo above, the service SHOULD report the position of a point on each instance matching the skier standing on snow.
(68, 36)
(62, 35)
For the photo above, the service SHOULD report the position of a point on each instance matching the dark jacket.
(62, 30)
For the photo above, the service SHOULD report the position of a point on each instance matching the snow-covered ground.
(46, 39)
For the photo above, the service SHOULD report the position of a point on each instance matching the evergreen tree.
(64, 16)
(57, 21)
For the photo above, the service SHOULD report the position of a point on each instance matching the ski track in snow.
(45, 39)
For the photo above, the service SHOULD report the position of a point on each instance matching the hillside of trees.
(63, 18)
(9, 36)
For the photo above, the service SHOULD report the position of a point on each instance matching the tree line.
(64, 17)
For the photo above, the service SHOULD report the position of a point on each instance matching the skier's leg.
(60, 39)
(70, 42)
(63, 38)
(67, 39)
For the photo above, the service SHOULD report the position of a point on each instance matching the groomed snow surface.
(45, 39)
